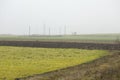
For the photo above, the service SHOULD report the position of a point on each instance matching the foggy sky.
(81, 16)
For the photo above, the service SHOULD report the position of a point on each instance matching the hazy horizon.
(81, 16)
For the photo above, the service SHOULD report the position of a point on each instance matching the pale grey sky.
(81, 16)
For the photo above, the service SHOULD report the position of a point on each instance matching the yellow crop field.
(18, 62)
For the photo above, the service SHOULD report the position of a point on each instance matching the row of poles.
(44, 30)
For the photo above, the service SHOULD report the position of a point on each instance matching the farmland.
(94, 38)
(18, 62)
(104, 68)
(44, 44)
(50, 56)
(59, 39)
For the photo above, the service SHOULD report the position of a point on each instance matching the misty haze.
(59, 39)
(80, 16)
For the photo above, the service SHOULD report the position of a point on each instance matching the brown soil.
(61, 45)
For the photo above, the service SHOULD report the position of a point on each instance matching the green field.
(102, 38)
(18, 62)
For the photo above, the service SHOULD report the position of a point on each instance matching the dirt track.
(61, 45)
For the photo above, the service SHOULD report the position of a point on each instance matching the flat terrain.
(94, 38)
(18, 62)
(44, 44)
(105, 68)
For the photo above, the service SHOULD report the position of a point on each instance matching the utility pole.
(44, 29)
(65, 30)
(60, 31)
(49, 31)
(29, 30)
